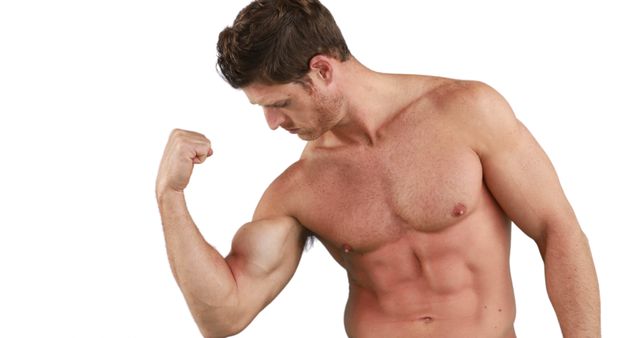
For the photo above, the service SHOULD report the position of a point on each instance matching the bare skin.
(411, 184)
(425, 245)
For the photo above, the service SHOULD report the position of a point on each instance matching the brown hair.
(272, 42)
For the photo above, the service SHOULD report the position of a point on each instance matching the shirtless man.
(411, 183)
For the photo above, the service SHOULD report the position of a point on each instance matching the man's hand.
(183, 150)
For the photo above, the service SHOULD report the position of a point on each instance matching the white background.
(89, 91)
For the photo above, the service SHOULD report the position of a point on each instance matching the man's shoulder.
(445, 96)
(278, 196)
(478, 112)
(467, 101)
(288, 179)
(450, 93)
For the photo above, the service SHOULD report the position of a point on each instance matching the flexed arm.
(223, 294)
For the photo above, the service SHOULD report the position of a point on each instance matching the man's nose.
(274, 118)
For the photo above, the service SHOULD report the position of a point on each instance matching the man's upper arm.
(265, 253)
(515, 168)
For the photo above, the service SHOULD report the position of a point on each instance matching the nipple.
(346, 248)
(459, 210)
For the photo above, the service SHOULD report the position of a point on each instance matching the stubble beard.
(328, 113)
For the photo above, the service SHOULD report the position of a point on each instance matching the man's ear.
(321, 68)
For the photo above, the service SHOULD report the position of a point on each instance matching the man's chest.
(364, 199)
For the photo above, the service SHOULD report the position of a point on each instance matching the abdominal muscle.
(450, 283)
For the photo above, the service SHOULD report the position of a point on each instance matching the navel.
(459, 210)
(426, 319)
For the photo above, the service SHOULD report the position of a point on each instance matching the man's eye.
(282, 104)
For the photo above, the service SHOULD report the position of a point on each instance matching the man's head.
(283, 54)
(272, 42)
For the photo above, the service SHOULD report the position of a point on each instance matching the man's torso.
(424, 243)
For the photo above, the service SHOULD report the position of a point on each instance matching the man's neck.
(372, 100)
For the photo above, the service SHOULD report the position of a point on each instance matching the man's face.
(307, 111)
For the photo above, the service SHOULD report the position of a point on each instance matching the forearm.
(201, 272)
(572, 284)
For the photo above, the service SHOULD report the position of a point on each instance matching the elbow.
(220, 322)
(218, 332)
(216, 316)
(221, 330)
(561, 239)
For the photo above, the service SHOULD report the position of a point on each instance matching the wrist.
(166, 193)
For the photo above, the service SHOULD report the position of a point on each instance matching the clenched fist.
(183, 150)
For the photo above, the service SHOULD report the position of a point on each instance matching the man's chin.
(307, 136)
